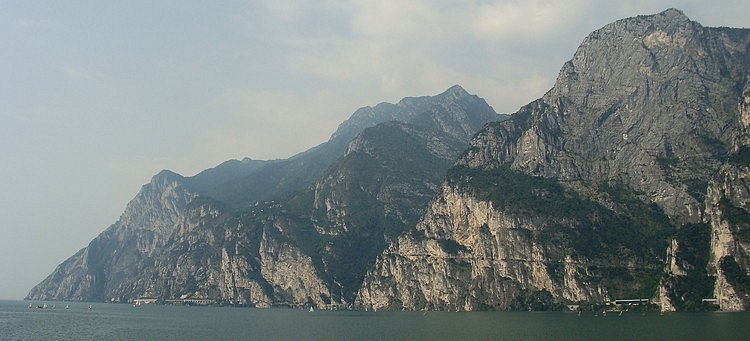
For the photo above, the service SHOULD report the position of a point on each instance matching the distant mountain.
(627, 180)
(248, 181)
(300, 231)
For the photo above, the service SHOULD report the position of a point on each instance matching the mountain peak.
(669, 20)
(456, 90)
(673, 14)
(453, 93)
(406, 110)
(166, 175)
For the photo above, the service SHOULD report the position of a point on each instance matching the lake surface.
(162, 322)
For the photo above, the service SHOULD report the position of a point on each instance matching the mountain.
(627, 180)
(300, 231)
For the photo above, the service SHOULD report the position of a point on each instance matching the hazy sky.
(98, 96)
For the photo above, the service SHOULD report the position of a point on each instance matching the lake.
(163, 322)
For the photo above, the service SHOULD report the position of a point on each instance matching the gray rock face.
(639, 122)
(643, 101)
(466, 255)
(728, 213)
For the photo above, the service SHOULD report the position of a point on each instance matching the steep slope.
(177, 240)
(605, 188)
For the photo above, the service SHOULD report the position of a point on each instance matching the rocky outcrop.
(728, 212)
(292, 274)
(466, 255)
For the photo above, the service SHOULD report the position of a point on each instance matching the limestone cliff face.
(292, 274)
(640, 121)
(466, 255)
(728, 213)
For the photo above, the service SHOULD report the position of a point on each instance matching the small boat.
(67, 306)
(90, 307)
(311, 309)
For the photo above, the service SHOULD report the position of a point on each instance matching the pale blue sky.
(98, 96)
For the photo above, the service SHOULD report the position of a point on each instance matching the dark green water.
(158, 322)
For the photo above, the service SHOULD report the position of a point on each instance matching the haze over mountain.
(626, 180)
(98, 97)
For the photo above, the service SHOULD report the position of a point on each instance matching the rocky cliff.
(615, 184)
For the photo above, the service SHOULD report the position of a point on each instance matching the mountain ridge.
(178, 238)
(627, 179)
